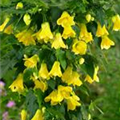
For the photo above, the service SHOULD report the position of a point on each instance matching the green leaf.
(60, 54)
(31, 103)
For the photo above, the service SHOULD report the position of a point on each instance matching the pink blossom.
(10, 104)
(2, 84)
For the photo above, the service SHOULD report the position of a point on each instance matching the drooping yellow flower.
(116, 21)
(101, 30)
(27, 19)
(67, 74)
(79, 47)
(65, 91)
(72, 102)
(8, 29)
(106, 43)
(71, 77)
(55, 97)
(39, 84)
(17, 85)
(4, 24)
(23, 114)
(43, 72)
(66, 20)
(31, 62)
(56, 70)
(19, 5)
(95, 76)
(68, 32)
(38, 115)
(44, 34)
(75, 79)
(58, 42)
(26, 37)
(84, 34)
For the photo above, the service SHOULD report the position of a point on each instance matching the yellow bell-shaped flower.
(39, 84)
(65, 91)
(68, 32)
(17, 85)
(72, 103)
(79, 47)
(26, 37)
(66, 20)
(55, 97)
(95, 76)
(38, 115)
(84, 34)
(88, 17)
(67, 74)
(31, 62)
(58, 42)
(106, 43)
(56, 70)
(116, 21)
(27, 19)
(101, 31)
(75, 79)
(4, 24)
(44, 34)
(23, 115)
(43, 72)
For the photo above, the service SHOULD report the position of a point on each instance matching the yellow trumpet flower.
(101, 31)
(66, 20)
(43, 72)
(17, 85)
(106, 42)
(23, 114)
(38, 115)
(58, 42)
(116, 21)
(79, 47)
(31, 62)
(44, 34)
(56, 70)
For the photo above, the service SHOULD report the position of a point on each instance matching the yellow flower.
(101, 30)
(32, 61)
(71, 77)
(66, 20)
(68, 32)
(116, 21)
(95, 77)
(45, 33)
(84, 34)
(26, 37)
(58, 42)
(4, 24)
(7, 30)
(55, 97)
(23, 114)
(38, 115)
(72, 102)
(43, 72)
(79, 47)
(65, 91)
(17, 85)
(56, 70)
(27, 19)
(19, 5)
(106, 43)
(88, 17)
(81, 61)
(39, 84)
